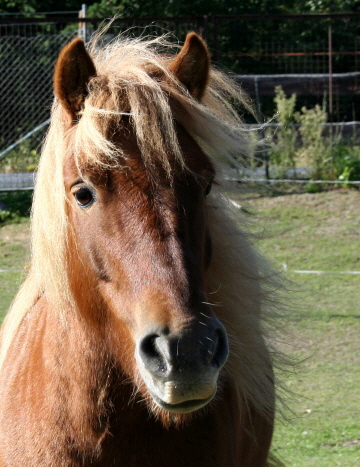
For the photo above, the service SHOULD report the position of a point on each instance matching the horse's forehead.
(131, 166)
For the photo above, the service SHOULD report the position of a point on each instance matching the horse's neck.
(63, 359)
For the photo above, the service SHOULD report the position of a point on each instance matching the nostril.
(221, 351)
(210, 348)
(148, 346)
(151, 354)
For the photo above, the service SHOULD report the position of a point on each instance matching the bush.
(282, 152)
(315, 150)
(15, 205)
(20, 159)
(347, 163)
(287, 150)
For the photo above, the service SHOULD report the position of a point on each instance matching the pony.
(140, 335)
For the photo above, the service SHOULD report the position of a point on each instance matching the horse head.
(139, 243)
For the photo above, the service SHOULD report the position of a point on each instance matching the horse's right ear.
(73, 70)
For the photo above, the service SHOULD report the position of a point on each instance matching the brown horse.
(112, 353)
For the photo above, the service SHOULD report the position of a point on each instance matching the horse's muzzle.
(181, 370)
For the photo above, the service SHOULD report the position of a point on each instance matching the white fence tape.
(299, 271)
(289, 180)
(311, 271)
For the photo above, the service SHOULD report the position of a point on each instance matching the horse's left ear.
(192, 64)
(73, 71)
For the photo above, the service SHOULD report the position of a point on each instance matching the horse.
(139, 336)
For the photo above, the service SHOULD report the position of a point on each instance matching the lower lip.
(184, 407)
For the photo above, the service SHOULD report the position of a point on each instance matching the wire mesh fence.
(27, 59)
(311, 55)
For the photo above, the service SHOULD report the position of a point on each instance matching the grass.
(14, 243)
(324, 430)
(319, 232)
(305, 232)
(14, 248)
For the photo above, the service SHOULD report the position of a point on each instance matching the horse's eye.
(84, 197)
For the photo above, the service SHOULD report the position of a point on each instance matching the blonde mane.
(133, 80)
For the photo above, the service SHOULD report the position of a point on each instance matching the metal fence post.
(82, 24)
(330, 87)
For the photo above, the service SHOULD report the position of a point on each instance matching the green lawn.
(319, 232)
(325, 429)
(304, 232)
(14, 254)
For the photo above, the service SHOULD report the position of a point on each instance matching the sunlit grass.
(14, 254)
(319, 232)
(303, 232)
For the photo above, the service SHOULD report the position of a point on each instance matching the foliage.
(15, 206)
(327, 159)
(11, 6)
(314, 151)
(4, 216)
(282, 152)
(161, 8)
(347, 163)
(326, 6)
(20, 159)
(32, 6)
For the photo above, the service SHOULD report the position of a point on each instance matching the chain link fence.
(263, 51)
(27, 57)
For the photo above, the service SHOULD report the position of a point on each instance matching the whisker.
(216, 291)
(211, 304)
(206, 316)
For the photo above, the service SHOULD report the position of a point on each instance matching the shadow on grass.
(344, 316)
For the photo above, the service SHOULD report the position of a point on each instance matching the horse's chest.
(169, 452)
(202, 444)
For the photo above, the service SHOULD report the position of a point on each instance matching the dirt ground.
(338, 202)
